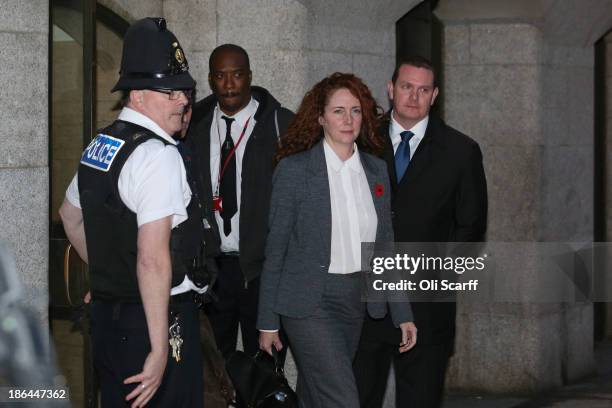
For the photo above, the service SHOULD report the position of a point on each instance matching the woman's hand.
(409, 336)
(268, 339)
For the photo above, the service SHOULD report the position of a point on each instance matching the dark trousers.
(236, 305)
(419, 373)
(120, 345)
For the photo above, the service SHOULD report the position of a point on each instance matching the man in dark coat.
(439, 195)
(234, 134)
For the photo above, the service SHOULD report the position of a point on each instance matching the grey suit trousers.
(324, 345)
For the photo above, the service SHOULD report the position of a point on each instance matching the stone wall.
(566, 192)
(529, 105)
(292, 44)
(131, 10)
(24, 175)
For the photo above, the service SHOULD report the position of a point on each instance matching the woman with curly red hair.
(305, 131)
(329, 195)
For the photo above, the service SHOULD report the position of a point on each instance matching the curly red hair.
(305, 131)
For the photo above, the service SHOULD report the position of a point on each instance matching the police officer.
(130, 213)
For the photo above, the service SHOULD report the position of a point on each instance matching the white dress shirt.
(353, 214)
(419, 132)
(218, 128)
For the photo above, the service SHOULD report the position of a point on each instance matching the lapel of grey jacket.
(374, 178)
(318, 187)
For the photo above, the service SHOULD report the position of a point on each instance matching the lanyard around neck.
(231, 153)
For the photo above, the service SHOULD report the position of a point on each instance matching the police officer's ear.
(134, 98)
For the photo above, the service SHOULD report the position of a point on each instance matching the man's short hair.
(125, 98)
(229, 47)
(415, 61)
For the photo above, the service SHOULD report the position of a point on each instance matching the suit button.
(392, 214)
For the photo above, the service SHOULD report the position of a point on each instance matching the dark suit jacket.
(298, 247)
(257, 168)
(441, 198)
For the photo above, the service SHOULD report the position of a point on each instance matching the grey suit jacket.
(298, 245)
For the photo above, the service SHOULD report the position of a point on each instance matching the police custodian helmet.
(152, 58)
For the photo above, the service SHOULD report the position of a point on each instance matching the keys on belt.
(176, 341)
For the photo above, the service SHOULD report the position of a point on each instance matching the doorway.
(602, 211)
(85, 54)
(419, 32)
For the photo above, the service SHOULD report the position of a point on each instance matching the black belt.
(119, 308)
(232, 254)
(186, 297)
(180, 298)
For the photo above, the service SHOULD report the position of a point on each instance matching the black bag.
(260, 381)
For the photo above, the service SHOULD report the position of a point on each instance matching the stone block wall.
(131, 10)
(528, 104)
(292, 44)
(566, 192)
(24, 173)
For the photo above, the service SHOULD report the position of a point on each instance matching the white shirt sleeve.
(72, 193)
(153, 184)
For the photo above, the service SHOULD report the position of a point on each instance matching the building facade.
(519, 77)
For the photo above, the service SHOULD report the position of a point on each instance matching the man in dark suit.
(234, 133)
(439, 195)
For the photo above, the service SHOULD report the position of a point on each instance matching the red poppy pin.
(379, 190)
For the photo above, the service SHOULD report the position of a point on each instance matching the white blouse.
(353, 214)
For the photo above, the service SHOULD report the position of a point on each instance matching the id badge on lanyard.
(217, 203)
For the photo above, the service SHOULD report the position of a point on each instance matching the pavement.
(593, 392)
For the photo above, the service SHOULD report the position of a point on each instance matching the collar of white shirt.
(418, 130)
(130, 115)
(336, 164)
(241, 117)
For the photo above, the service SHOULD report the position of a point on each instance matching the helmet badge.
(178, 55)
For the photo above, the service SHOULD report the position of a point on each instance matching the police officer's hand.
(269, 339)
(149, 379)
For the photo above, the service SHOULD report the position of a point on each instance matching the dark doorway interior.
(419, 32)
(84, 55)
(602, 318)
